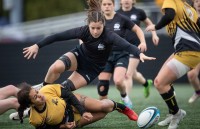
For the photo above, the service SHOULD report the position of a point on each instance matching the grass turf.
(116, 120)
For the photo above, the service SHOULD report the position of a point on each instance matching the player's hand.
(155, 39)
(142, 46)
(87, 116)
(144, 57)
(68, 125)
(150, 28)
(31, 51)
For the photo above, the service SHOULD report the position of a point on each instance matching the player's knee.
(157, 84)
(69, 84)
(14, 103)
(11, 88)
(67, 62)
(103, 87)
(134, 73)
(191, 76)
(56, 68)
(119, 81)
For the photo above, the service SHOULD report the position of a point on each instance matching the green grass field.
(116, 120)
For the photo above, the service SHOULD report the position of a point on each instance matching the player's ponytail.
(94, 13)
(23, 99)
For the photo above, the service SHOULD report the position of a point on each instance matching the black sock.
(170, 100)
(118, 106)
(197, 92)
(123, 95)
(146, 83)
(172, 88)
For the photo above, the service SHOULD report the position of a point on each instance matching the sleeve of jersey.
(169, 4)
(198, 22)
(166, 19)
(62, 36)
(71, 99)
(128, 23)
(143, 15)
(33, 120)
(125, 45)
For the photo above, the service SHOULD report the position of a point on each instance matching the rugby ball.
(148, 117)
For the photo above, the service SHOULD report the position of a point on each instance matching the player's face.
(127, 3)
(107, 7)
(197, 5)
(36, 98)
(96, 28)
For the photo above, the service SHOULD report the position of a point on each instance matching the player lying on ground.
(55, 106)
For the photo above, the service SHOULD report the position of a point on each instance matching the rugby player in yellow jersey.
(55, 106)
(183, 27)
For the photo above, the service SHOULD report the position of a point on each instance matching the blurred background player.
(193, 75)
(186, 42)
(137, 16)
(118, 60)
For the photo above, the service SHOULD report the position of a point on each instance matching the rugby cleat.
(130, 113)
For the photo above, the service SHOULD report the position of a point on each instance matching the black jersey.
(119, 24)
(95, 50)
(136, 15)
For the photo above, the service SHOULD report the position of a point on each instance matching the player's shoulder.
(121, 16)
(108, 35)
(139, 10)
(50, 87)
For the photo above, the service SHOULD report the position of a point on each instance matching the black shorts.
(133, 56)
(116, 59)
(86, 68)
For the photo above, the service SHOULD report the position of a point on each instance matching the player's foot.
(38, 86)
(147, 88)
(15, 116)
(130, 113)
(193, 98)
(176, 119)
(127, 103)
(166, 121)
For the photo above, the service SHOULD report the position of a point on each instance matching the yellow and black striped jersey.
(183, 29)
(55, 107)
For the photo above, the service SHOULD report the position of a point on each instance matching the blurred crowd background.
(24, 22)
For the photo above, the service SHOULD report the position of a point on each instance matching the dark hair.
(113, 1)
(94, 13)
(23, 99)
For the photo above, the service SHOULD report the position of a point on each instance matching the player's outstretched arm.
(31, 51)
(144, 57)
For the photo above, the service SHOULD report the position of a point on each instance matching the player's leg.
(66, 62)
(7, 104)
(106, 106)
(129, 75)
(8, 91)
(119, 80)
(137, 76)
(193, 77)
(171, 71)
(103, 84)
(96, 116)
